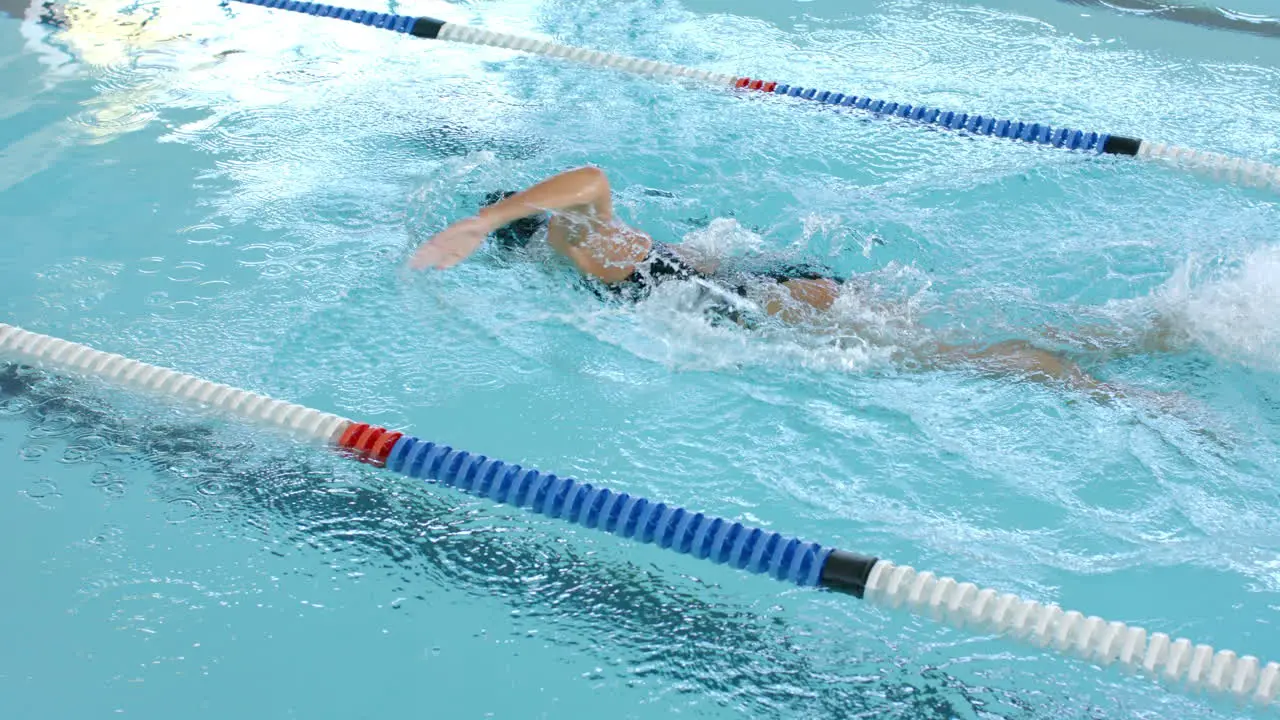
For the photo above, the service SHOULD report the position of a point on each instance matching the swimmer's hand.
(451, 245)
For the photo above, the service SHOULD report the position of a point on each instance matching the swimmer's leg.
(1109, 342)
(1019, 357)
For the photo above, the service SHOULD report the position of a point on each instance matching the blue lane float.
(670, 527)
(1041, 134)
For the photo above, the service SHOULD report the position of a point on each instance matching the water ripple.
(758, 658)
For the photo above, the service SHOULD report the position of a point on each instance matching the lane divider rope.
(1251, 173)
(721, 541)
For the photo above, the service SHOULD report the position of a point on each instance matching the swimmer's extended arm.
(582, 191)
(585, 189)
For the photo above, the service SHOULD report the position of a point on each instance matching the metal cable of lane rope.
(720, 541)
(1251, 173)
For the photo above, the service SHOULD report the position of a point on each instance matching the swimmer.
(576, 209)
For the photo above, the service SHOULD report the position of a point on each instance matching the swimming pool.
(230, 192)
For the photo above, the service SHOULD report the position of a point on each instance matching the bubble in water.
(42, 488)
(181, 510)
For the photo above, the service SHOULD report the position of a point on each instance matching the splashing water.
(724, 237)
(876, 319)
(1227, 306)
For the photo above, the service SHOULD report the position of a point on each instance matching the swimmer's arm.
(577, 194)
(584, 190)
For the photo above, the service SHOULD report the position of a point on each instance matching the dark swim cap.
(520, 232)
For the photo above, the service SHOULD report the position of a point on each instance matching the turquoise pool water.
(231, 192)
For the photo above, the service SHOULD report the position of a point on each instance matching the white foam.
(1228, 307)
(873, 321)
(723, 237)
